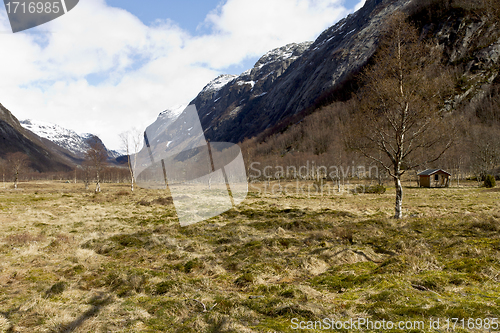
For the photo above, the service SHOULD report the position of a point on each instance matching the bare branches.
(96, 157)
(398, 111)
(17, 163)
(131, 141)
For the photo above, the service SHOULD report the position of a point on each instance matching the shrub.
(164, 287)
(376, 189)
(489, 181)
(123, 192)
(373, 189)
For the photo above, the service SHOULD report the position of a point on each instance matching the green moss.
(128, 240)
(192, 265)
(471, 265)
(396, 264)
(164, 287)
(244, 280)
(342, 282)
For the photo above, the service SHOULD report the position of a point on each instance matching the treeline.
(110, 174)
(319, 139)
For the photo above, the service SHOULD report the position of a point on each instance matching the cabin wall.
(425, 181)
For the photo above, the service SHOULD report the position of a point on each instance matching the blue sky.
(189, 15)
(110, 65)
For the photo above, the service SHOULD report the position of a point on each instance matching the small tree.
(96, 157)
(485, 150)
(131, 141)
(489, 181)
(17, 162)
(398, 119)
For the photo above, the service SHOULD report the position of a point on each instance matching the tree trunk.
(15, 180)
(131, 177)
(399, 199)
(98, 184)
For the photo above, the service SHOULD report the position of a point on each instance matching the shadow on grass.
(98, 302)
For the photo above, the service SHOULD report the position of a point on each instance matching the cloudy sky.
(110, 65)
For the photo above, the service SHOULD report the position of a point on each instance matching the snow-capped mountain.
(173, 112)
(65, 138)
(90, 138)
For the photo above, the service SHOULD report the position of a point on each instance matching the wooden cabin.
(434, 178)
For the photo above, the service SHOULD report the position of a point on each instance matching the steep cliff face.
(274, 90)
(471, 47)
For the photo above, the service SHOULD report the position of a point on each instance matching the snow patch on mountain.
(251, 83)
(219, 82)
(173, 112)
(62, 137)
(281, 54)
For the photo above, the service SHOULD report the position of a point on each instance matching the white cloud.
(144, 69)
(360, 4)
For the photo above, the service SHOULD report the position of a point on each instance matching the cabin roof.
(430, 172)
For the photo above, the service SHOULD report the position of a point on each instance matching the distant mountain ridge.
(65, 138)
(50, 147)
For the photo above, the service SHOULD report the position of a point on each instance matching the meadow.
(118, 261)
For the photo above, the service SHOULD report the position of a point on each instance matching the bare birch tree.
(399, 120)
(131, 141)
(17, 163)
(96, 157)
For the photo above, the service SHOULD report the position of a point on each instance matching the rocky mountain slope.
(468, 36)
(44, 155)
(167, 117)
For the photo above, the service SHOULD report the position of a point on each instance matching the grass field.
(120, 262)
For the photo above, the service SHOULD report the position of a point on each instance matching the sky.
(108, 66)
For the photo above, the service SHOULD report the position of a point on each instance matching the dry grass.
(118, 261)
